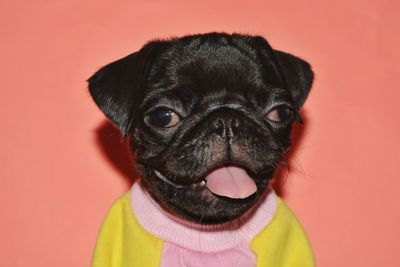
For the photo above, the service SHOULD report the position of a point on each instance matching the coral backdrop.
(62, 165)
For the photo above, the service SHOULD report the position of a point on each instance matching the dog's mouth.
(230, 181)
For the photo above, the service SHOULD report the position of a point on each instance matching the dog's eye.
(280, 114)
(162, 118)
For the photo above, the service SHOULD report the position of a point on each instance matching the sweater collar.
(205, 238)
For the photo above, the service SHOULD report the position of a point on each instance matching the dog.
(208, 118)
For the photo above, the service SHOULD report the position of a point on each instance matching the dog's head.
(209, 118)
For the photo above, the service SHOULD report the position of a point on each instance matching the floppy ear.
(297, 74)
(118, 88)
(292, 71)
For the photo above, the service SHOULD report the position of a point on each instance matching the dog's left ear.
(118, 88)
(294, 72)
(297, 75)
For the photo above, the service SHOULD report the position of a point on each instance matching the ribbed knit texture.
(202, 238)
(123, 242)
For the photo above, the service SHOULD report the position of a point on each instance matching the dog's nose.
(225, 123)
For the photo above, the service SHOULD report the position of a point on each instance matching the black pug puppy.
(209, 118)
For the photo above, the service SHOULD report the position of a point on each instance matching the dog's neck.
(198, 237)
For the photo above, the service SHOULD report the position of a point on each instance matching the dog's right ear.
(118, 88)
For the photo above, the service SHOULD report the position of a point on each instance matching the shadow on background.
(289, 165)
(116, 151)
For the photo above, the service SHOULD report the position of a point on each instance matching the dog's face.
(208, 116)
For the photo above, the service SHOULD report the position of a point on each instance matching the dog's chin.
(195, 202)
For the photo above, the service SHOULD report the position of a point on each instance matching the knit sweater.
(137, 232)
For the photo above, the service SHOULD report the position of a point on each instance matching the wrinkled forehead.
(216, 73)
(207, 66)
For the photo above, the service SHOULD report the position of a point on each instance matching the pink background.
(62, 164)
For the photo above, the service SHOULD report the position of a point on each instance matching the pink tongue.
(231, 181)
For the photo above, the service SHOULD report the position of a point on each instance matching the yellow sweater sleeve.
(283, 243)
(123, 243)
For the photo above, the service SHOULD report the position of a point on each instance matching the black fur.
(222, 86)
